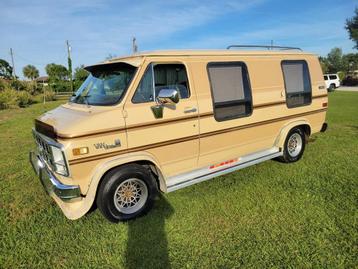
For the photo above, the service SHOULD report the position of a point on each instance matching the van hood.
(73, 120)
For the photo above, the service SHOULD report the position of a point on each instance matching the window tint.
(297, 83)
(325, 77)
(333, 77)
(166, 76)
(230, 90)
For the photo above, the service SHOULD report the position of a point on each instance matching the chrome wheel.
(294, 145)
(130, 196)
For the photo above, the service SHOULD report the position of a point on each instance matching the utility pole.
(69, 64)
(13, 65)
(271, 44)
(134, 45)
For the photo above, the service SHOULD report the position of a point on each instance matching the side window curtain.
(166, 76)
(297, 83)
(230, 89)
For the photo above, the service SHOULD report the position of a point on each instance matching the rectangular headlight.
(59, 162)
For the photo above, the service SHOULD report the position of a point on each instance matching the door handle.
(189, 109)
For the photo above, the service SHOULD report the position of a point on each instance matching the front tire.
(126, 192)
(294, 146)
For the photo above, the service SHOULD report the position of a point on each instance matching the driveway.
(348, 88)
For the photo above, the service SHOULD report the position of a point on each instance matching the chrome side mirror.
(168, 96)
(165, 97)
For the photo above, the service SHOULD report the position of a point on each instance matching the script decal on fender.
(102, 145)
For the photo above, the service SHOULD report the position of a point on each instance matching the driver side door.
(173, 139)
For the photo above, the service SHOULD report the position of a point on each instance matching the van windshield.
(105, 85)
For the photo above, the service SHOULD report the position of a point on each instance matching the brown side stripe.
(185, 139)
(133, 127)
(270, 104)
(157, 123)
(250, 125)
(320, 96)
(64, 137)
(114, 153)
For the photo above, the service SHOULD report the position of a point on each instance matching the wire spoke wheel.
(130, 196)
(294, 145)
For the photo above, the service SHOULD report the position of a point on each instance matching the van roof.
(137, 58)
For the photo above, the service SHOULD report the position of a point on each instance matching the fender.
(79, 208)
(280, 140)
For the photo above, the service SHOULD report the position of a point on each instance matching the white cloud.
(96, 28)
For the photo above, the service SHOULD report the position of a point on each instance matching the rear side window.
(325, 77)
(333, 77)
(297, 83)
(230, 90)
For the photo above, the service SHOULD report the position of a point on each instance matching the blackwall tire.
(126, 192)
(294, 146)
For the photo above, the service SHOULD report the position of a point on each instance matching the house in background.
(43, 80)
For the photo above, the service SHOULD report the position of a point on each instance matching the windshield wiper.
(76, 97)
(85, 98)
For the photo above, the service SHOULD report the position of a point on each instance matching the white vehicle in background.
(332, 81)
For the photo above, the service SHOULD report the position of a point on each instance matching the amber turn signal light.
(80, 151)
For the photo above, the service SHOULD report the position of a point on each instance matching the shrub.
(3, 85)
(60, 86)
(24, 99)
(8, 98)
(18, 85)
(50, 96)
(341, 75)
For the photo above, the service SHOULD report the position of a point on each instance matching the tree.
(324, 64)
(56, 72)
(351, 61)
(352, 28)
(5, 69)
(335, 60)
(81, 74)
(30, 72)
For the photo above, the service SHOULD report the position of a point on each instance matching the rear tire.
(126, 192)
(332, 87)
(294, 146)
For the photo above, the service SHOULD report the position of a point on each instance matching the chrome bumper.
(50, 182)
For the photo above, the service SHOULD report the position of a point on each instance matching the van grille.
(43, 148)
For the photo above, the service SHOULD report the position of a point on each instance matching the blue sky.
(37, 30)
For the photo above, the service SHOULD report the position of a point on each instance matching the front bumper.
(324, 127)
(51, 184)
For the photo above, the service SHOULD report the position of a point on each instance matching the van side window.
(230, 90)
(297, 83)
(166, 76)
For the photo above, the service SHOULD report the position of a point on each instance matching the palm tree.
(30, 72)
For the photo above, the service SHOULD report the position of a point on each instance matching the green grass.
(269, 215)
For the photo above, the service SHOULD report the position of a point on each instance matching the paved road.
(348, 89)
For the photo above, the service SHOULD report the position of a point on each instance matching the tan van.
(162, 121)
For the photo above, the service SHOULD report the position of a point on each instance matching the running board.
(203, 174)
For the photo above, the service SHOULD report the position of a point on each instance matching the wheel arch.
(304, 124)
(102, 169)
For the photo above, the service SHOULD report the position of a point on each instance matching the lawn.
(269, 215)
